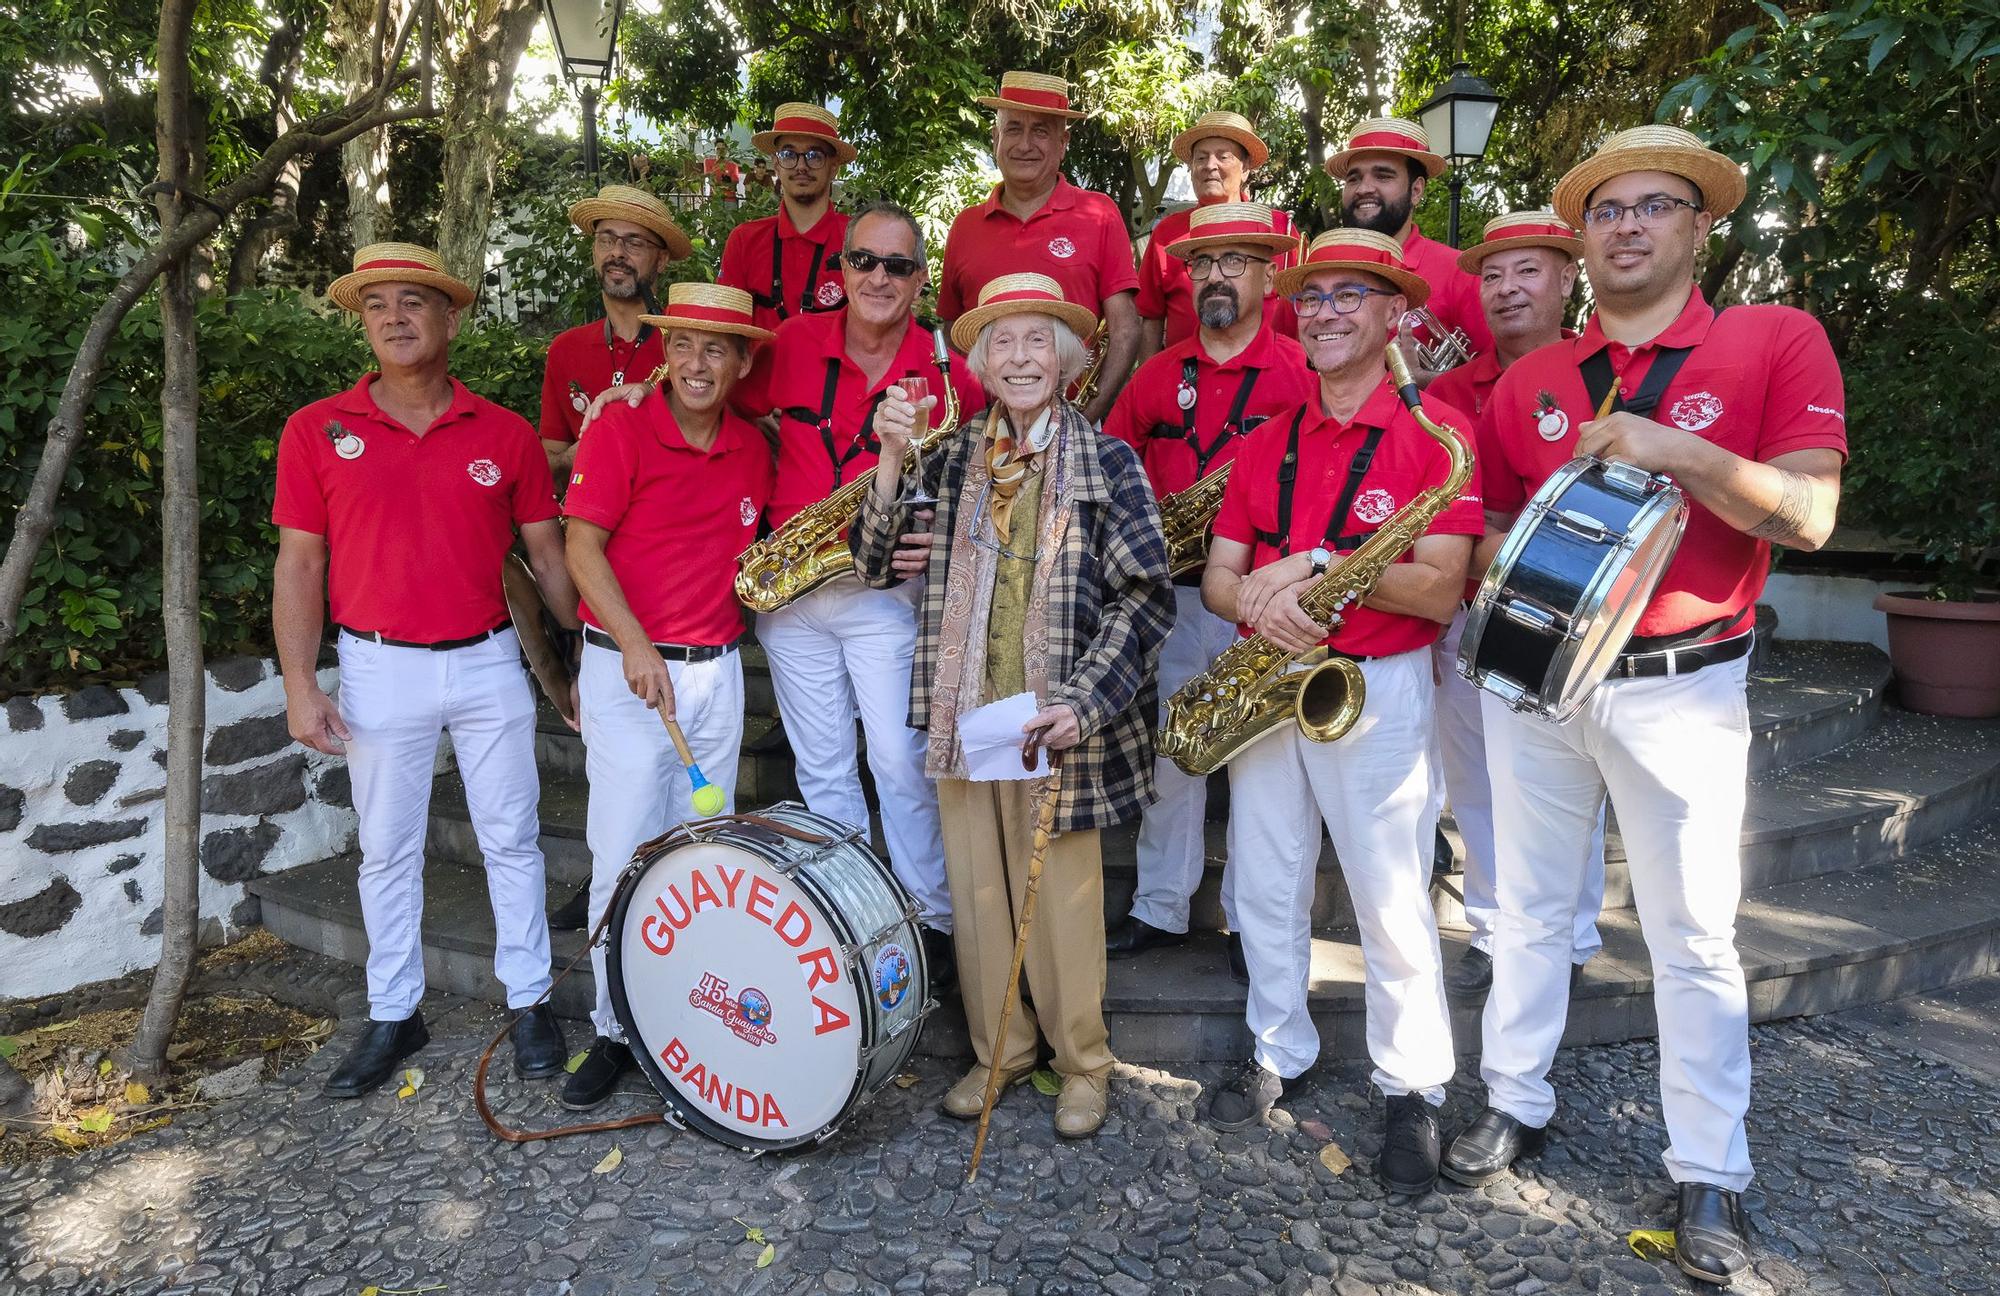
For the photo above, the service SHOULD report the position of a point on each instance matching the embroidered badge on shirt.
(1550, 420)
(1694, 412)
(484, 471)
(1375, 506)
(747, 511)
(577, 400)
(830, 294)
(1062, 247)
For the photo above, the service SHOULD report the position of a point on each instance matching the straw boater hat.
(804, 119)
(1232, 223)
(1388, 135)
(1233, 127)
(397, 263)
(1653, 148)
(1521, 229)
(623, 202)
(1021, 294)
(1033, 92)
(1357, 249)
(712, 308)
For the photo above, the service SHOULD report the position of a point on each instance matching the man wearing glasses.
(1310, 485)
(632, 238)
(845, 646)
(789, 263)
(1186, 411)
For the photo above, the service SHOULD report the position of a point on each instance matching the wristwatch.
(1322, 558)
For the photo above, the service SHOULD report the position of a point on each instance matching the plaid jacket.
(1110, 597)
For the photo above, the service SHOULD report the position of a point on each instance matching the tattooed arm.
(1790, 501)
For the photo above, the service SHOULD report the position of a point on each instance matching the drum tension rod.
(1584, 525)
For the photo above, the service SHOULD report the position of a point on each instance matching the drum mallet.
(708, 798)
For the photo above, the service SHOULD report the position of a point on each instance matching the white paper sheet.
(991, 736)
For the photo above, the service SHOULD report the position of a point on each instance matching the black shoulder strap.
(1598, 379)
(1232, 422)
(1357, 472)
(777, 298)
(1288, 472)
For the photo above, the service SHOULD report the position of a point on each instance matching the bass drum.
(768, 973)
(1568, 584)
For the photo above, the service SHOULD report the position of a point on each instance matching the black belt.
(1679, 661)
(672, 652)
(442, 645)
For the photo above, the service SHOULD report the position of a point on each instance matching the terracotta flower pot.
(1946, 655)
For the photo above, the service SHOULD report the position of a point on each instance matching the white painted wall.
(1840, 608)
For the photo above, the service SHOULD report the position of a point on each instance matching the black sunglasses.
(899, 267)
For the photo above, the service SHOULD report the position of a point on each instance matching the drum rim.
(1667, 506)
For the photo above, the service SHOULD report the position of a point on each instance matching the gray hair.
(1071, 354)
(895, 211)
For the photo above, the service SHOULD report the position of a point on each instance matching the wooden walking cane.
(1045, 822)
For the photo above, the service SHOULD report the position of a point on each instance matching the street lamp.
(1459, 121)
(585, 33)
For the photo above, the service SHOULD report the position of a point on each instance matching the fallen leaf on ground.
(1651, 1244)
(1318, 1129)
(1334, 1159)
(136, 1094)
(609, 1163)
(55, 1028)
(575, 1062)
(95, 1121)
(908, 1078)
(1046, 1082)
(753, 1234)
(67, 1136)
(413, 1080)
(104, 1066)
(767, 1255)
(9, 1046)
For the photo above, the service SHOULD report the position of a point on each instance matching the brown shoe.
(965, 1099)
(1081, 1108)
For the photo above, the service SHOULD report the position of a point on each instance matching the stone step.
(1817, 945)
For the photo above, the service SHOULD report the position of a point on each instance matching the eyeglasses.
(814, 157)
(1232, 265)
(899, 267)
(1345, 301)
(1650, 212)
(633, 243)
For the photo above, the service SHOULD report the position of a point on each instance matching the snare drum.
(768, 973)
(1568, 584)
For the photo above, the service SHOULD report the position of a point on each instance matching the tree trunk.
(282, 216)
(490, 36)
(364, 160)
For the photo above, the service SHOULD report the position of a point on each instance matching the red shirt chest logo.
(1694, 412)
(830, 294)
(484, 471)
(1061, 247)
(1374, 506)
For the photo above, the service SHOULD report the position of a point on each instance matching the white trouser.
(638, 789)
(842, 647)
(395, 702)
(1172, 840)
(1462, 757)
(1673, 753)
(1373, 789)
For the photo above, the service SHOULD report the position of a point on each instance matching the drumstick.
(1045, 822)
(708, 798)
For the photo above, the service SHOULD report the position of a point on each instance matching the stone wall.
(82, 809)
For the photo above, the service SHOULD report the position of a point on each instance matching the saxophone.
(810, 549)
(1085, 385)
(1186, 516)
(1251, 689)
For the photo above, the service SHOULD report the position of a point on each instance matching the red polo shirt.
(679, 517)
(416, 527)
(820, 444)
(1760, 382)
(810, 280)
(1406, 462)
(1166, 292)
(1454, 293)
(1149, 417)
(583, 362)
(1077, 238)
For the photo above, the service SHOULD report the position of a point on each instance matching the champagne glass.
(915, 388)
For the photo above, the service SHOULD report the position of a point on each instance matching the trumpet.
(1085, 385)
(1447, 349)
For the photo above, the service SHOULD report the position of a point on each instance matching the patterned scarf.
(1007, 464)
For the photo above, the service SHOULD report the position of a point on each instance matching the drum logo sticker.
(830, 294)
(892, 976)
(1551, 424)
(1374, 506)
(747, 1015)
(1061, 247)
(1695, 412)
(484, 471)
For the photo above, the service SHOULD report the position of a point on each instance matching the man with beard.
(1036, 221)
(1186, 412)
(1382, 173)
(790, 263)
(632, 238)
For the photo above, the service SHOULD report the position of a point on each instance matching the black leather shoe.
(539, 1051)
(1410, 1140)
(375, 1055)
(1239, 970)
(1471, 977)
(940, 960)
(1484, 1149)
(1443, 858)
(574, 913)
(1247, 1098)
(1711, 1234)
(597, 1075)
(1135, 936)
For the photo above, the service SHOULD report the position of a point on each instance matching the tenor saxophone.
(1185, 519)
(1251, 688)
(810, 549)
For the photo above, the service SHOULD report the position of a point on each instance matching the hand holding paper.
(992, 738)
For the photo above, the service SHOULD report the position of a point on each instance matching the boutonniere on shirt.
(1550, 421)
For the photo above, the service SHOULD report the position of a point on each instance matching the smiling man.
(789, 263)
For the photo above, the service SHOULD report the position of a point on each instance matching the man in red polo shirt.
(1526, 266)
(1186, 411)
(1383, 172)
(665, 497)
(1744, 409)
(1220, 151)
(1036, 220)
(789, 263)
(844, 646)
(1311, 485)
(632, 238)
(397, 502)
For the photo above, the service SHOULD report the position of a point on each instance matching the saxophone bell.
(1330, 699)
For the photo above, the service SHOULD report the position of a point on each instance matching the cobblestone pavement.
(1878, 1173)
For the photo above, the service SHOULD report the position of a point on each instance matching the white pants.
(1373, 790)
(395, 702)
(1673, 752)
(842, 647)
(638, 789)
(1462, 758)
(1172, 840)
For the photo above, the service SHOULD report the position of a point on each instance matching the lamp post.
(585, 33)
(1459, 120)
